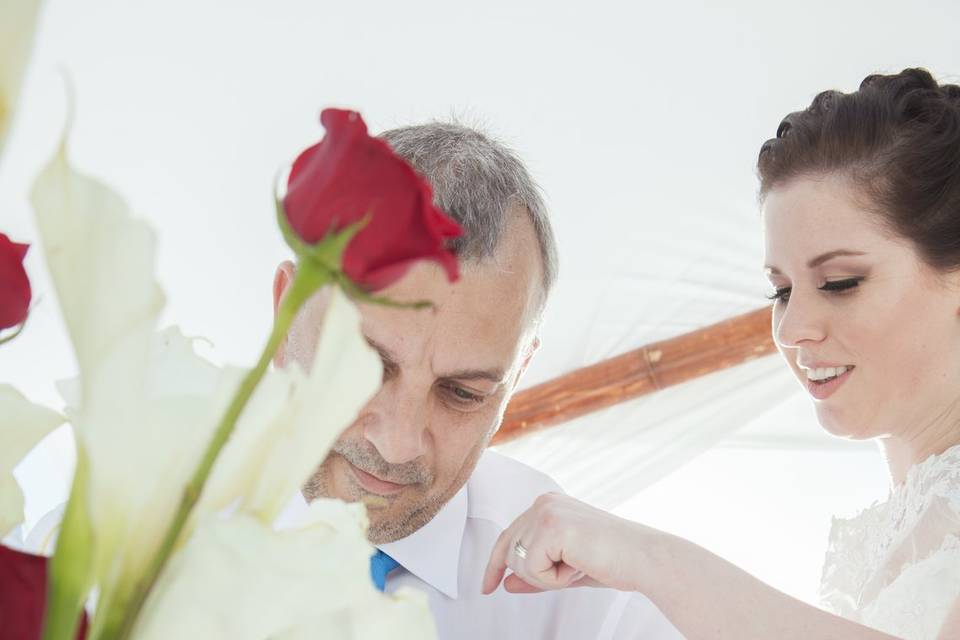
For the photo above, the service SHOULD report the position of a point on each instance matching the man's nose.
(395, 422)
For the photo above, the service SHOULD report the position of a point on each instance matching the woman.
(861, 212)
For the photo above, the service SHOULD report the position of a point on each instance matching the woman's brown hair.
(897, 139)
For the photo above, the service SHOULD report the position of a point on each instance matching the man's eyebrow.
(385, 354)
(493, 375)
(822, 258)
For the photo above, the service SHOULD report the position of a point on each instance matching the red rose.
(14, 285)
(349, 175)
(23, 587)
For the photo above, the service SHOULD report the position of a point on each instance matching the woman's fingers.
(518, 549)
(497, 564)
(534, 553)
(515, 584)
(560, 542)
(527, 580)
(543, 566)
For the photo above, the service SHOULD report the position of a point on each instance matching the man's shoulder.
(501, 488)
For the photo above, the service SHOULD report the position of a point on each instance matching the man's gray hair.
(476, 180)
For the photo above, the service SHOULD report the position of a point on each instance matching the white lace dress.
(896, 566)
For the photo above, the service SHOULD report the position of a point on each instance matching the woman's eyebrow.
(819, 260)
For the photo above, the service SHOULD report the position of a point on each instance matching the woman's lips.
(374, 484)
(823, 390)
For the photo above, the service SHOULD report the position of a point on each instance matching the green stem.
(70, 574)
(308, 279)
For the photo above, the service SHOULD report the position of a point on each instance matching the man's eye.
(463, 396)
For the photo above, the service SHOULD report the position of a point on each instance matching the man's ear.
(532, 348)
(281, 283)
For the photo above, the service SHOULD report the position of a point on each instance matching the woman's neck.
(928, 438)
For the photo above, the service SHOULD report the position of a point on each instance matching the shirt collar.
(432, 552)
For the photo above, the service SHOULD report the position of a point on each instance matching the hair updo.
(897, 139)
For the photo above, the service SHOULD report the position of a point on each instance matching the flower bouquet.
(184, 466)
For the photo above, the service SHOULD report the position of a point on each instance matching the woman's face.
(870, 331)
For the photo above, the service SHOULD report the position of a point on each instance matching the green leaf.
(289, 235)
(327, 254)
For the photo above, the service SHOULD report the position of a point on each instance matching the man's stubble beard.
(397, 526)
(381, 529)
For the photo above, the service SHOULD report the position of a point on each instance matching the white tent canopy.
(641, 123)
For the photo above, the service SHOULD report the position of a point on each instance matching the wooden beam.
(650, 368)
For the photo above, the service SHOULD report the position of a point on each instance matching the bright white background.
(641, 121)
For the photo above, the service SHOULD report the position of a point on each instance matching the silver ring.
(520, 550)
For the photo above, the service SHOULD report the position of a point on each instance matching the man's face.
(448, 374)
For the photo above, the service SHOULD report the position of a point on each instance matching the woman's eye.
(841, 285)
(782, 294)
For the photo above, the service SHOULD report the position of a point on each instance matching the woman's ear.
(281, 283)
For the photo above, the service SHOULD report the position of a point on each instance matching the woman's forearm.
(705, 596)
(561, 542)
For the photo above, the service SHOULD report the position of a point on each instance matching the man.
(419, 446)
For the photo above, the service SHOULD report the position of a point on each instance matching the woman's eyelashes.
(841, 285)
(782, 294)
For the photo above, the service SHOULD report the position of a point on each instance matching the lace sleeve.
(931, 518)
(917, 585)
(896, 566)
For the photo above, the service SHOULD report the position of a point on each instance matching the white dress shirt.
(446, 559)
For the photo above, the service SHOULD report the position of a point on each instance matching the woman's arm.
(951, 626)
(564, 542)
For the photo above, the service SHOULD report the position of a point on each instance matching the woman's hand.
(561, 542)
(566, 543)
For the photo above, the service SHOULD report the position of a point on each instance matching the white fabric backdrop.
(608, 457)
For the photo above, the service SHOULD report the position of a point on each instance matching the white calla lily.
(18, 19)
(145, 409)
(22, 425)
(238, 578)
(293, 419)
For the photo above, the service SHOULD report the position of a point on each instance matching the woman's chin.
(844, 426)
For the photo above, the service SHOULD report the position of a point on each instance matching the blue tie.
(380, 565)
